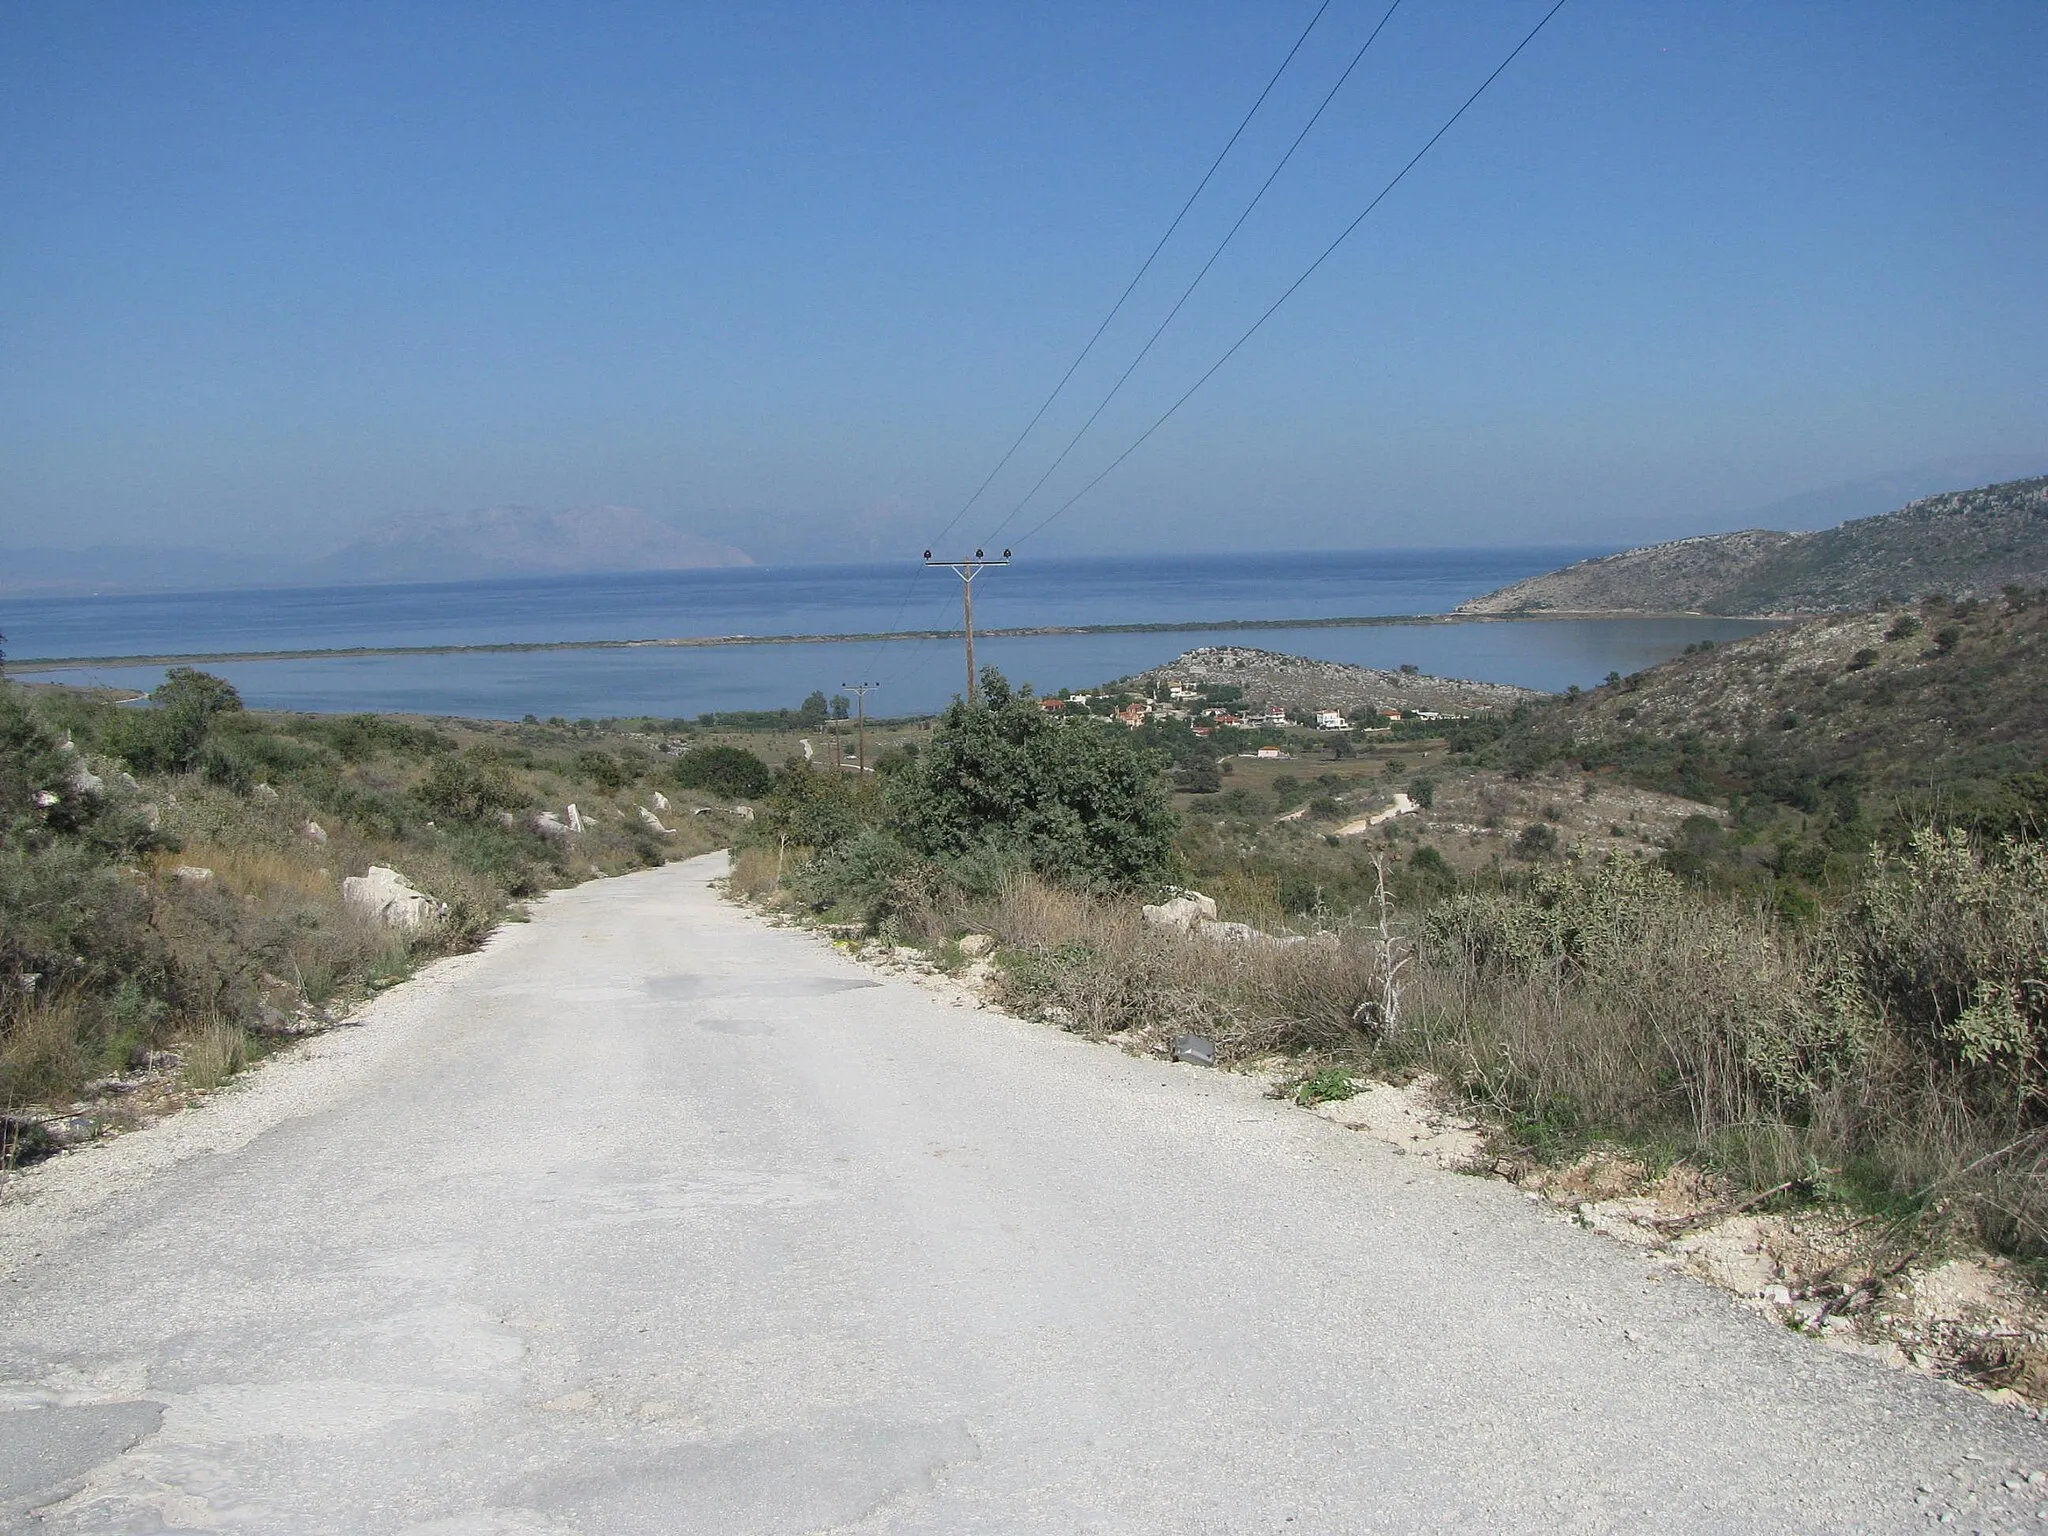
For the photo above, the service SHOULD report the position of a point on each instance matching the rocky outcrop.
(1182, 910)
(385, 896)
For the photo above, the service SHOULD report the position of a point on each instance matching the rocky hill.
(1939, 705)
(521, 541)
(1300, 682)
(1961, 544)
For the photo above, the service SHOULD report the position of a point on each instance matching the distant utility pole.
(968, 570)
(860, 692)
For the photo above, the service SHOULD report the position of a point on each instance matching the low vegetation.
(1782, 963)
(1962, 543)
(170, 871)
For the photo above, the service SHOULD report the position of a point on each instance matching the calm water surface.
(916, 676)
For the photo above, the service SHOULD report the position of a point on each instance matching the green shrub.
(196, 693)
(1950, 941)
(157, 740)
(1075, 801)
(731, 772)
(604, 770)
(817, 810)
(470, 787)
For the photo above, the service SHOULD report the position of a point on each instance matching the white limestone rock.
(1182, 910)
(387, 897)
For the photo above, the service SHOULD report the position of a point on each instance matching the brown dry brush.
(1095, 966)
(107, 955)
(1899, 1051)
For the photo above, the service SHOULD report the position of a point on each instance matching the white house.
(1331, 720)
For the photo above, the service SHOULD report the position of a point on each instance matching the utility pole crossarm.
(967, 570)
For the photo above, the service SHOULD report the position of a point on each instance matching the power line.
(1328, 251)
(1114, 310)
(1187, 292)
(1130, 287)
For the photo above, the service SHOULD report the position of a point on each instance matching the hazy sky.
(793, 275)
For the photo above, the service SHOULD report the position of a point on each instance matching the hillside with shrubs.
(1962, 543)
(1823, 984)
(171, 875)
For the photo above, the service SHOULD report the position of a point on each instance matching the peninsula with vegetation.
(1959, 544)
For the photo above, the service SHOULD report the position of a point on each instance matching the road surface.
(651, 1217)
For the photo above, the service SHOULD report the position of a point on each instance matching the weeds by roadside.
(171, 877)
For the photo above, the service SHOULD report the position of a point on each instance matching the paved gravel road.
(653, 1218)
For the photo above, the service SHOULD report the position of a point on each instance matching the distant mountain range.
(460, 546)
(1962, 543)
(521, 541)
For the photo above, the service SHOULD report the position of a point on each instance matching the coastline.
(40, 664)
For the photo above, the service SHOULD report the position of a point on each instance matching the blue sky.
(792, 275)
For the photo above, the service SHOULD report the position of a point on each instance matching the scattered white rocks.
(313, 832)
(660, 801)
(264, 793)
(193, 874)
(387, 897)
(975, 945)
(548, 824)
(574, 818)
(653, 821)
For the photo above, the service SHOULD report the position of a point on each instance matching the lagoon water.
(916, 676)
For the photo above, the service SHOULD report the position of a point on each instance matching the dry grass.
(215, 1052)
(1095, 966)
(40, 1049)
(1615, 1003)
(757, 872)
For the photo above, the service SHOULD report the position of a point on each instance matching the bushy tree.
(606, 771)
(203, 694)
(1077, 802)
(733, 772)
(470, 787)
(168, 736)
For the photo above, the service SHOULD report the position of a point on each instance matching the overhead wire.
(1289, 292)
(1114, 310)
(1188, 292)
(1144, 267)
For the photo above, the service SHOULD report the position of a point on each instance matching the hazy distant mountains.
(1964, 543)
(461, 546)
(521, 541)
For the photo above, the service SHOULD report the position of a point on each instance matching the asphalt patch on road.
(45, 1450)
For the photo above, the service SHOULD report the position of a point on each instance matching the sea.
(1191, 593)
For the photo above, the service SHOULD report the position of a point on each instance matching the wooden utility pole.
(967, 570)
(860, 692)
